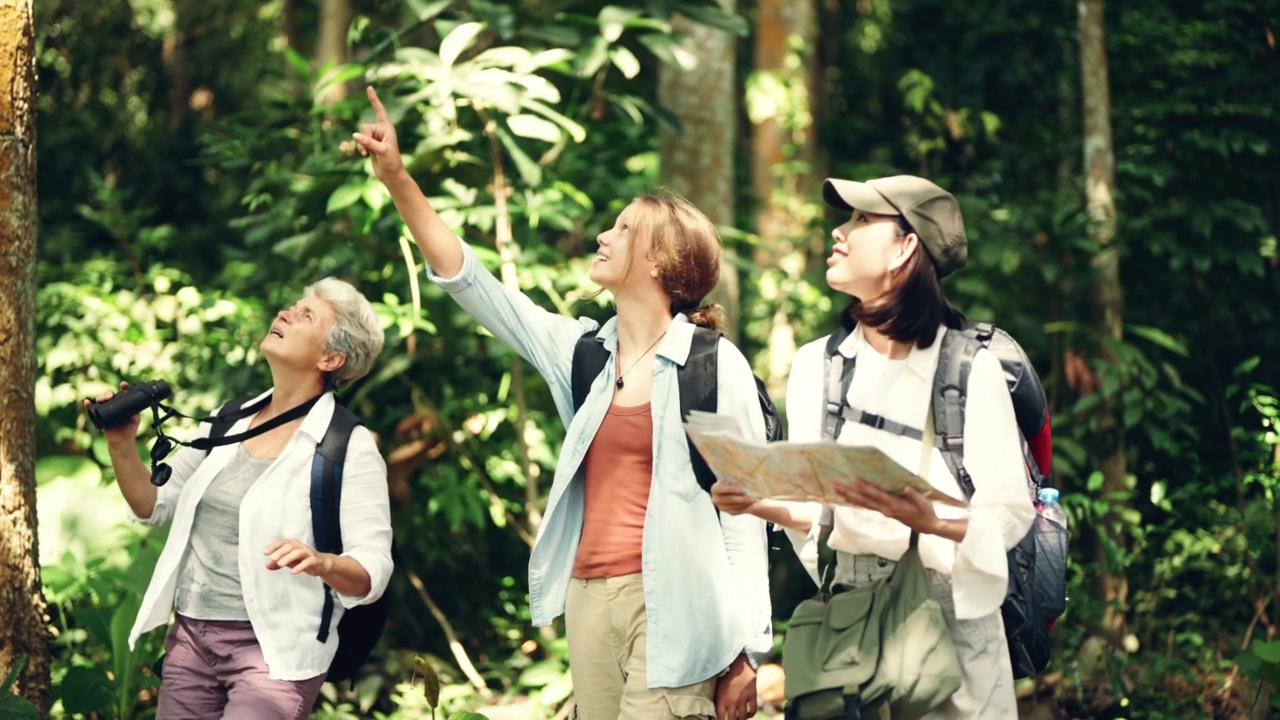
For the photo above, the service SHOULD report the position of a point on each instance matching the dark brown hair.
(685, 247)
(913, 307)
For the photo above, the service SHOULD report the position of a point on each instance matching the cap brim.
(848, 194)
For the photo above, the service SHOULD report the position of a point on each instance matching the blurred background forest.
(195, 173)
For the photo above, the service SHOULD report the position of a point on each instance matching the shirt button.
(881, 562)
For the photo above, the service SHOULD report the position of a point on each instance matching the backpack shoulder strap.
(950, 388)
(326, 495)
(837, 374)
(697, 379)
(589, 357)
(227, 416)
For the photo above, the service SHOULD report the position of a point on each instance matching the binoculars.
(131, 401)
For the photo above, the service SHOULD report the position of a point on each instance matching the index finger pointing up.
(378, 110)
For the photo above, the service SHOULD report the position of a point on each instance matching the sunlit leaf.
(458, 41)
(625, 61)
(613, 19)
(532, 126)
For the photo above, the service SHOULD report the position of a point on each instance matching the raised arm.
(378, 142)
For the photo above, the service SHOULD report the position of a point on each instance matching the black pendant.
(619, 383)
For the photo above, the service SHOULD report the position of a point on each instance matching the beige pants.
(606, 628)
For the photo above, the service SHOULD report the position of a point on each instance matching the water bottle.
(1048, 506)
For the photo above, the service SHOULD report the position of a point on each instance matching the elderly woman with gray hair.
(239, 567)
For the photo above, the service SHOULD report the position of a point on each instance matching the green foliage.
(185, 197)
(15, 707)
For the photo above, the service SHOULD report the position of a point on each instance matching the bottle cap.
(1048, 495)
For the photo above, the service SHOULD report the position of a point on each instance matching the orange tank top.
(618, 470)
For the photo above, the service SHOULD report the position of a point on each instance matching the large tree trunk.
(697, 162)
(22, 604)
(782, 145)
(1100, 178)
(331, 46)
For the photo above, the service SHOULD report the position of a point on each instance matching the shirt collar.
(317, 418)
(674, 346)
(921, 362)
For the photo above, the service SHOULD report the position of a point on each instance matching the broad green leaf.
(14, 707)
(121, 624)
(458, 41)
(1268, 651)
(508, 56)
(532, 126)
(86, 690)
(346, 196)
(529, 171)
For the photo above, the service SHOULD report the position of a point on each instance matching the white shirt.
(284, 608)
(1000, 512)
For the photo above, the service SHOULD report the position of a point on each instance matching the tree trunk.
(782, 145)
(331, 46)
(22, 602)
(697, 162)
(1100, 177)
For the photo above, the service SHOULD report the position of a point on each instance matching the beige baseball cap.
(930, 210)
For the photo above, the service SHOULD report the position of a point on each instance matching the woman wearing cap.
(248, 591)
(666, 605)
(902, 236)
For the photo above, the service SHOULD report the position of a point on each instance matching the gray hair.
(356, 331)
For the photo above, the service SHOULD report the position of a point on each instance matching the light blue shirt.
(705, 578)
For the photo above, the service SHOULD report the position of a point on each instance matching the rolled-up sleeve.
(544, 338)
(365, 515)
(744, 535)
(1000, 511)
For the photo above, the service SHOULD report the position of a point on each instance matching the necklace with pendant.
(619, 383)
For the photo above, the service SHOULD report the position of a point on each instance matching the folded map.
(798, 470)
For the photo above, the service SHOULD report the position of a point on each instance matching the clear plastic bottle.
(1047, 505)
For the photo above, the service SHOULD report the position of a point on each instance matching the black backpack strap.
(589, 358)
(879, 422)
(837, 374)
(227, 416)
(697, 379)
(950, 388)
(326, 496)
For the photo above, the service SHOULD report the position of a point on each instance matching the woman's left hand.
(909, 508)
(736, 691)
(299, 556)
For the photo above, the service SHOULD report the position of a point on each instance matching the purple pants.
(215, 669)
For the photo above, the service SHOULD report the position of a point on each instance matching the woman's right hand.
(125, 433)
(378, 141)
(732, 499)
